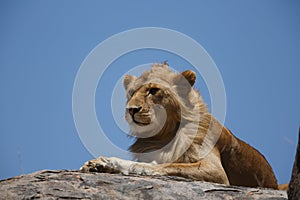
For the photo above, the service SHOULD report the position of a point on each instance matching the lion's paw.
(117, 165)
(101, 164)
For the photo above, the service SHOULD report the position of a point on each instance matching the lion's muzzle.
(139, 115)
(133, 110)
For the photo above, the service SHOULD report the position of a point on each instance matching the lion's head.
(160, 102)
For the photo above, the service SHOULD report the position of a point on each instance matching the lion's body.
(176, 135)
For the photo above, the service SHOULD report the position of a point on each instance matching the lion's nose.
(133, 110)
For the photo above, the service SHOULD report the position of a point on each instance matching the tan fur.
(175, 144)
(283, 186)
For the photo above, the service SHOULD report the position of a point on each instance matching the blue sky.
(255, 45)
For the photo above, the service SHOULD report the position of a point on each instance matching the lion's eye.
(153, 91)
(131, 92)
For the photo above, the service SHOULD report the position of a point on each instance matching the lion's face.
(148, 108)
(153, 101)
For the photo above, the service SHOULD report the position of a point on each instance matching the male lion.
(176, 135)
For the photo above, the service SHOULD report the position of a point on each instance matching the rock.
(294, 185)
(78, 185)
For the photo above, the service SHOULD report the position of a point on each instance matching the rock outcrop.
(294, 185)
(66, 184)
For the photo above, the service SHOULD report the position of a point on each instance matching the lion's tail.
(283, 186)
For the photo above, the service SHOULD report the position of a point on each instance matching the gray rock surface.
(294, 185)
(77, 185)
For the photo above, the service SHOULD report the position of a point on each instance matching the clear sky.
(255, 45)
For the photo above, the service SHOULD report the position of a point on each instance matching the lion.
(176, 135)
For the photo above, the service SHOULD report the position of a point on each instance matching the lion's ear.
(185, 82)
(127, 80)
(190, 76)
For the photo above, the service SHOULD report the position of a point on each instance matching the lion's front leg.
(209, 169)
(117, 165)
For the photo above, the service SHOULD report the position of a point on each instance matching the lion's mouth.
(140, 123)
(142, 119)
